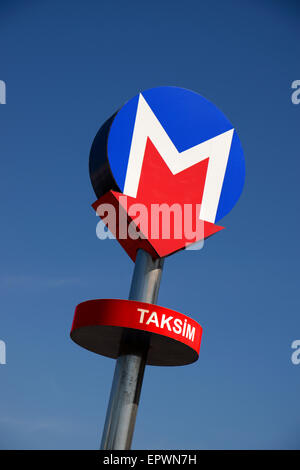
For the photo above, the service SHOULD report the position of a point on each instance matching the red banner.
(98, 325)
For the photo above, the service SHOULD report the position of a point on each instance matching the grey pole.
(130, 365)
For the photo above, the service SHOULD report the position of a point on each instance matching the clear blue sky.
(68, 66)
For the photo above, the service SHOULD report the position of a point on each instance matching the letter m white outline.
(216, 149)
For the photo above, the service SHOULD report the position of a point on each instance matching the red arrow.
(159, 186)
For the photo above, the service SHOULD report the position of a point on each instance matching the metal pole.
(130, 365)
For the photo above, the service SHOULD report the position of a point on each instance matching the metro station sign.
(166, 168)
(174, 338)
(167, 153)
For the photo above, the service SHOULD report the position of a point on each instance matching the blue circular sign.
(186, 129)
